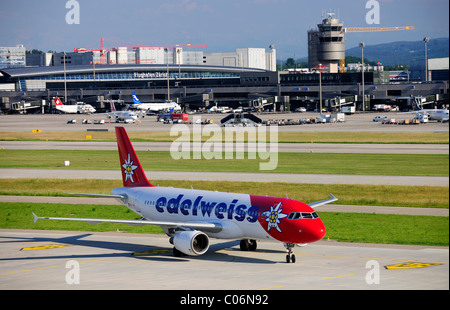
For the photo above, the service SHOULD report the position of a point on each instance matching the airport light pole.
(362, 45)
(426, 40)
(179, 63)
(168, 81)
(65, 80)
(320, 67)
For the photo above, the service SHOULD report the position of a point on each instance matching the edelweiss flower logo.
(129, 168)
(273, 217)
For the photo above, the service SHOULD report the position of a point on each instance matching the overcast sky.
(222, 25)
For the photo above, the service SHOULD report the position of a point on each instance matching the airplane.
(73, 109)
(122, 116)
(191, 217)
(155, 107)
(439, 115)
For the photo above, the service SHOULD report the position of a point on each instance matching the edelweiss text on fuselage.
(199, 207)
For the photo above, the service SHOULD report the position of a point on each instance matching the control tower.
(326, 45)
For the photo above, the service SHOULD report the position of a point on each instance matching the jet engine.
(193, 243)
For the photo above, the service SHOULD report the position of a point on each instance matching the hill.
(402, 52)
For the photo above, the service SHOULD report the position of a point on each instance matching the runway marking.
(347, 275)
(48, 267)
(353, 257)
(373, 258)
(45, 247)
(411, 265)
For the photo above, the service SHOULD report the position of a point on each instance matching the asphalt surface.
(56, 260)
(229, 176)
(282, 147)
(359, 122)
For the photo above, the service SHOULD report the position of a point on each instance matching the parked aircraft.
(122, 116)
(191, 217)
(156, 106)
(439, 115)
(73, 109)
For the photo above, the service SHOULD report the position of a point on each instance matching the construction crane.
(369, 29)
(134, 47)
(376, 29)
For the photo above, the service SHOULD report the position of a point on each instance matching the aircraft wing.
(194, 225)
(323, 202)
(98, 195)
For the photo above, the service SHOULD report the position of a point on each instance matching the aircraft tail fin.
(113, 107)
(136, 100)
(57, 102)
(132, 173)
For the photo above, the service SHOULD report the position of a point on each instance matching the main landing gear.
(248, 245)
(290, 257)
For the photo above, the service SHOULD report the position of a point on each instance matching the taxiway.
(44, 260)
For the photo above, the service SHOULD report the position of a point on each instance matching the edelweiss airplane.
(155, 107)
(190, 217)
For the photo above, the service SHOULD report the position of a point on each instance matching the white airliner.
(439, 115)
(156, 106)
(190, 217)
(122, 116)
(73, 109)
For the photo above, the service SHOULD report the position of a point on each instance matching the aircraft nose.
(313, 232)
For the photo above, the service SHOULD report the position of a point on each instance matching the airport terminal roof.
(71, 69)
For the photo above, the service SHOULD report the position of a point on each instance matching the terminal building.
(197, 87)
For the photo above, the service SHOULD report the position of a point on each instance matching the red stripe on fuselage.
(274, 219)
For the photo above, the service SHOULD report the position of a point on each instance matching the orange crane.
(104, 49)
(370, 29)
(376, 29)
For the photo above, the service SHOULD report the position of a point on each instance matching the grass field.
(301, 163)
(369, 195)
(283, 137)
(348, 227)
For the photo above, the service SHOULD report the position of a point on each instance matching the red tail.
(132, 173)
(57, 101)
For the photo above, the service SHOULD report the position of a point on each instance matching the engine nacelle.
(193, 243)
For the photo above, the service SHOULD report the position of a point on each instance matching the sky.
(222, 25)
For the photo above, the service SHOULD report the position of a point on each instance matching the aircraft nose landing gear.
(290, 257)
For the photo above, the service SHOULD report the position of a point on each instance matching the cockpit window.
(302, 215)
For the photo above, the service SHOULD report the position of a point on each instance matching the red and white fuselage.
(190, 217)
(235, 216)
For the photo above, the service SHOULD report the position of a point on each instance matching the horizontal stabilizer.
(98, 195)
